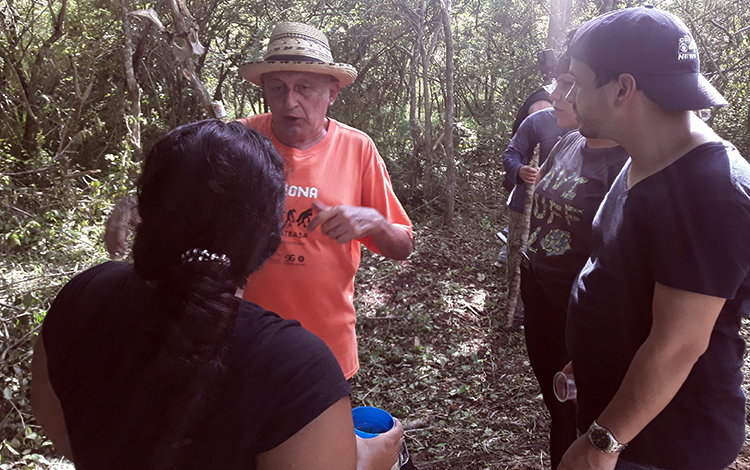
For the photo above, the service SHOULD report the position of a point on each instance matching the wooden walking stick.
(518, 236)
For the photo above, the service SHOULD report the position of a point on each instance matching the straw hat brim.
(252, 71)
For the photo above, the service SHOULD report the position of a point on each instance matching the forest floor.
(433, 352)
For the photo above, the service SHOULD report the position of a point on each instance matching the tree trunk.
(133, 119)
(187, 48)
(450, 162)
(559, 20)
(68, 131)
(414, 127)
(607, 6)
(30, 87)
(518, 236)
(426, 54)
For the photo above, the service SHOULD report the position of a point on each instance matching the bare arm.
(45, 404)
(345, 223)
(326, 442)
(329, 442)
(680, 334)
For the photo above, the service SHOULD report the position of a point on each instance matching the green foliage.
(50, 229)
(64, 156)
(495, 56)
(723, 39)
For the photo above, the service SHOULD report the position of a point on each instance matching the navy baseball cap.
(656, 48)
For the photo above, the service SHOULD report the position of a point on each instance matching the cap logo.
(687, 49)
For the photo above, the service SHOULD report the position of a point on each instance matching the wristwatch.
(602, 439)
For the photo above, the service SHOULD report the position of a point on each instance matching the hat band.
(304, 37)
(292, 58)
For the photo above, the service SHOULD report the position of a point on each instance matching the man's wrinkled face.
(563, 108)
(589, 101)
(299, 102)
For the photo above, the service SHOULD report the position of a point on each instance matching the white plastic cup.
(564, 387)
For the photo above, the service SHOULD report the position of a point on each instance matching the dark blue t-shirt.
(686, 227)
(278, 377)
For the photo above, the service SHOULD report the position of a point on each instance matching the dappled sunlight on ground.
(433, 353)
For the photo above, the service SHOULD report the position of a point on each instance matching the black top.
(685, 227)
(278, 378)
(574, 180)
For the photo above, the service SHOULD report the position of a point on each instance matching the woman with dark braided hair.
(159, 365)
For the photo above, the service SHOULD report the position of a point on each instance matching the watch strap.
(603, 440)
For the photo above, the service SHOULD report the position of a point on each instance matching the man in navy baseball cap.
(654, 316)
(656, 48)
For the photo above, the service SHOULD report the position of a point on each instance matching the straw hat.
(297, 47)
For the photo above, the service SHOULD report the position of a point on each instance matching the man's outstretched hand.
(345, 223)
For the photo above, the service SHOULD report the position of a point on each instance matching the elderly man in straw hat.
(339, 194)
(654, 316)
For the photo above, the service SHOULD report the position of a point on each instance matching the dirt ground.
(433, 352)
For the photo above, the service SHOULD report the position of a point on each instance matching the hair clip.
(198, 255)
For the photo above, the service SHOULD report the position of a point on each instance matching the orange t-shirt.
(311, 277)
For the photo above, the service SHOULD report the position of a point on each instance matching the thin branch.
(81, 173)
(13, 307)
(28, 172)
(10, 60)
(426, 203)
(22, 340)
(21, 211)
(725, 30)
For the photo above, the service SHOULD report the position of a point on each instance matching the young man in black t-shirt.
(654, 317)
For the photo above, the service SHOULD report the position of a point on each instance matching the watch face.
(601, 439)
